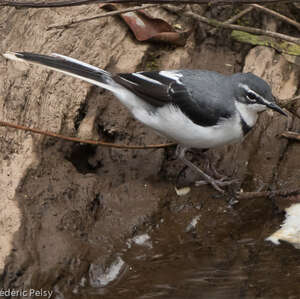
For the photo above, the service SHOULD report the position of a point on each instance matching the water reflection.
(220, 262)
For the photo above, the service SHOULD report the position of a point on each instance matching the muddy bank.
(69, 211)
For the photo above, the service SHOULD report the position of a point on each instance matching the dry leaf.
(147, 28)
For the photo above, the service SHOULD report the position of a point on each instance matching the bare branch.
(225, 25)
(291, 135)
(233, 19)
(74, 139)
(108, 14)
(286, 103)
(277, 15)
(281, 193)
(63, 3)
(44, 4)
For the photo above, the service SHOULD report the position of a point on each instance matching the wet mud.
(93, 222)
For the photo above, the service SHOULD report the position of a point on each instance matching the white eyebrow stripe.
(246, 87)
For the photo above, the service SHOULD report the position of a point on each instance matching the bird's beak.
(275, 107)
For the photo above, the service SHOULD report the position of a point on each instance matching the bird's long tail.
(69, 66)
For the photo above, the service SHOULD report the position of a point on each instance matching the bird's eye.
(251, 96)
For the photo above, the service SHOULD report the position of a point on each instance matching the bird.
(198, 109)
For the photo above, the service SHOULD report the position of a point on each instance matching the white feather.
(171, 122)
(129, 99)
(12, 56)
(249, 112)
(79, 62)
(112, 87)
(141, 76)
(290, 229)
(175, 75)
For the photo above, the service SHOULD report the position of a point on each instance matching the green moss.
(151, 63)
(261, 40)
(243, 22)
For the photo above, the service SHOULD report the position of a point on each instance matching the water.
(225, 257)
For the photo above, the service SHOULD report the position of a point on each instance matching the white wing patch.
(175, 75)
(143, 77)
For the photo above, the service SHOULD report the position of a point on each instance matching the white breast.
(249, 112)
(171, 122)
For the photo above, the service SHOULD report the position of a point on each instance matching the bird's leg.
(180, 151)
(179, 174)
(181, 154)
(216, 174)
(211, 167)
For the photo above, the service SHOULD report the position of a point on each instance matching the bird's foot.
(216, 184)
(216, 174)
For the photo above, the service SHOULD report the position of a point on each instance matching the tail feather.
(69, 66)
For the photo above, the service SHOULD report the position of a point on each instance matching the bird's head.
(254, 93)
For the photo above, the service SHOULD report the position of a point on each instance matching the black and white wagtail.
(196, 108)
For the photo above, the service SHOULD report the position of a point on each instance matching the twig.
(291, 135)
(233, 19)
(277, 15)
(216, 23)
(288, 102)
(41, 4)
(111, 13)
(44, 4)
(295, 99)
(281, 193)
(74, 139)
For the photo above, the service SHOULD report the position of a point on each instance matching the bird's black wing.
(152, 87)
(184, 89)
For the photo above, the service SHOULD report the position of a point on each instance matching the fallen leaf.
(147, 28)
